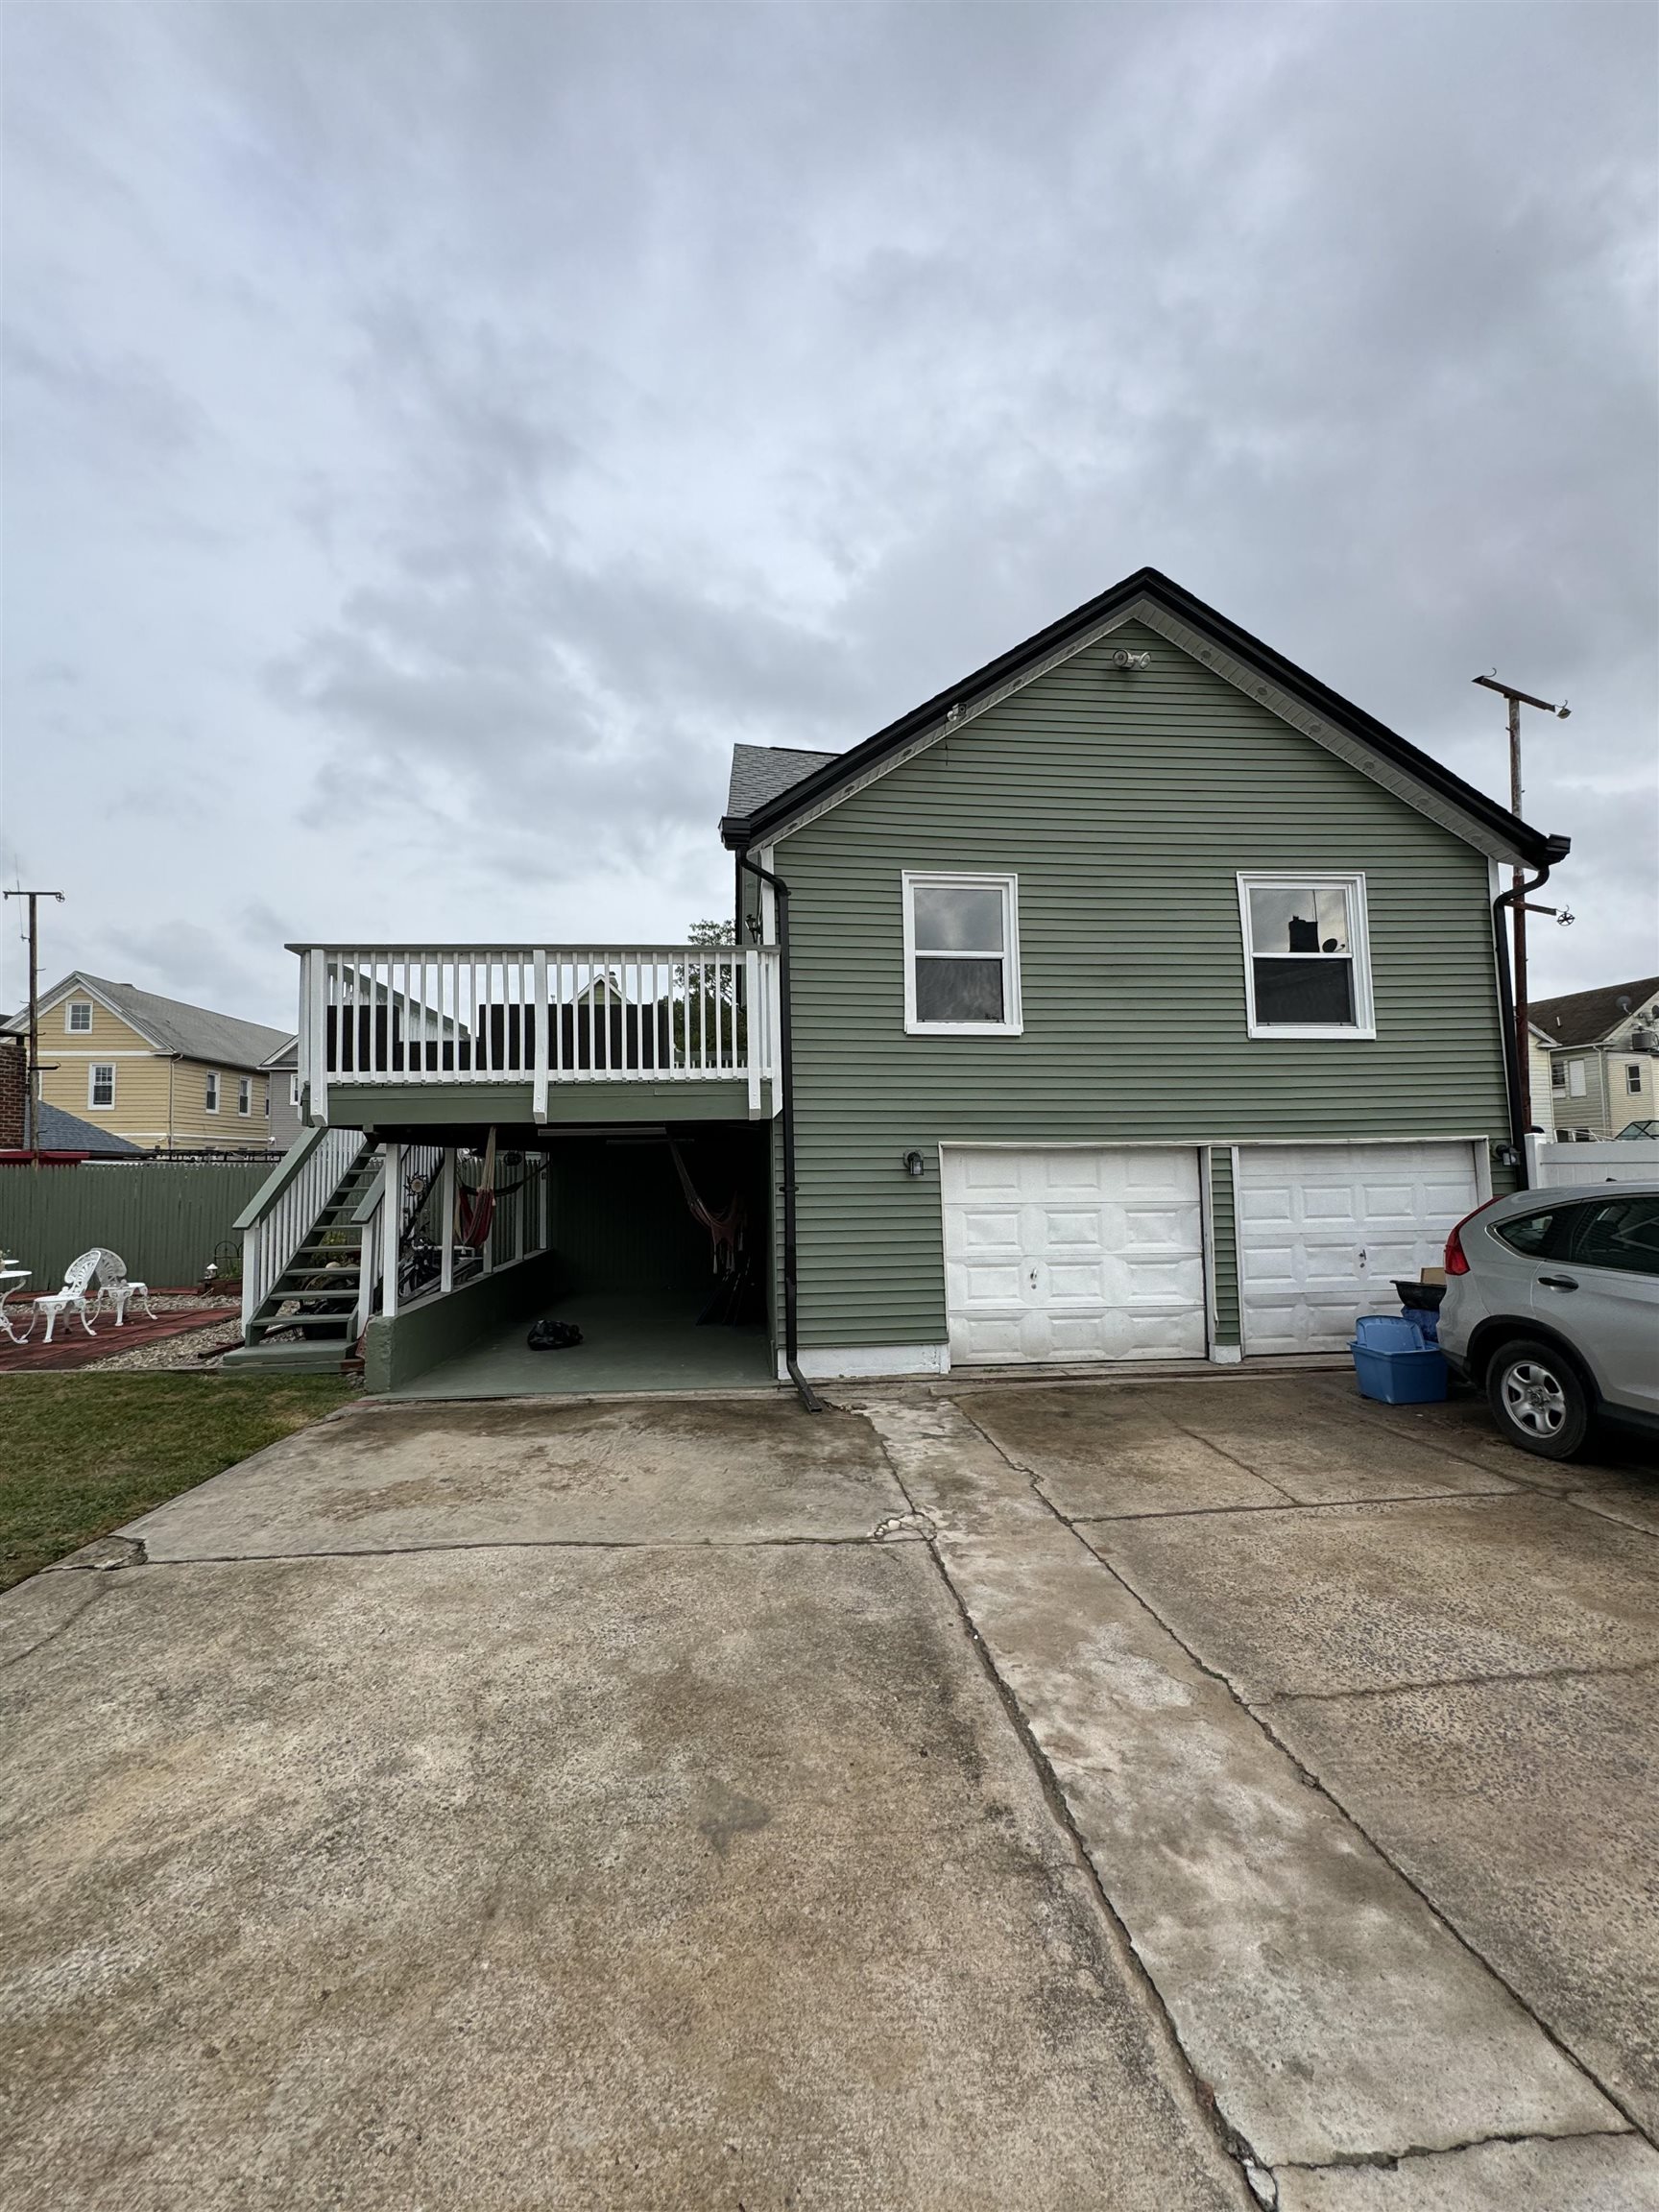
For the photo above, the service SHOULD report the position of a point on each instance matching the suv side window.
(1532, 1234)
(1621, 1232)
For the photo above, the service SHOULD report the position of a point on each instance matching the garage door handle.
(1558, 1282)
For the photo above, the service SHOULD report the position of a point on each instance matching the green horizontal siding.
(1127, 804)
(1224, 1244)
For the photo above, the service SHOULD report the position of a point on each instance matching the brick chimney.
(14, 1092)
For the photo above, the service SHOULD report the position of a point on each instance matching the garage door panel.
(1063, 1228)
(1147, 1231)
(1322, 1204)
(1086, 1254)
(988, 1171)
(1325, 1229)
(991, 1228)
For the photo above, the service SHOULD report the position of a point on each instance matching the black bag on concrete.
(553, 1336)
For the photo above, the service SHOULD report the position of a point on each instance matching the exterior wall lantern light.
(915, 1164)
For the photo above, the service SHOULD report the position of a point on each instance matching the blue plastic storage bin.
(1396, 1362)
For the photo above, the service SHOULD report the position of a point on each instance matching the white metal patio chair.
(116, 1286)
(72, 1298)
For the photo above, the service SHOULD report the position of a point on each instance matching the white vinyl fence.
(1626, 1160)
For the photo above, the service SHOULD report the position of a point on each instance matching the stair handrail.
(284, 1210)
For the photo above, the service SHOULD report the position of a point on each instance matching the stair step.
(297, 1359)
(330, 1329)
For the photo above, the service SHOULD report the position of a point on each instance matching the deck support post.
(391, 1220)
(446, 1214)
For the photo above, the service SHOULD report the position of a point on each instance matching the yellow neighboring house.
(170, 1077)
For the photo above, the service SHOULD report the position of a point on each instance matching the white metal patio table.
(13, 1279)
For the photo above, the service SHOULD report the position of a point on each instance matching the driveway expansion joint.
(850, 1541)
(1313, 1781)
(1316, 1782)
(1232, 2140)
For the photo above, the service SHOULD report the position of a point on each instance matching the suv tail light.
(1456, 1259)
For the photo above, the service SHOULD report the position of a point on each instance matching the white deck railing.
(542, 1014)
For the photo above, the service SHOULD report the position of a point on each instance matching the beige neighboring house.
(166, 1077)
(1595, 1061)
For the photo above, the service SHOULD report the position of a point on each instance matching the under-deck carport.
(652, 1240)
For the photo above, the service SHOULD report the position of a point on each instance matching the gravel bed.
(185, 1301)
(182, 1349)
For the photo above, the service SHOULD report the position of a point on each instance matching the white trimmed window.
(245, 1095)
(212, 1090)
(78, 1017)
(961, 955)
(294, 1089)
(1633, 1077)
(1575, 1080)
(101, 1083)
(1307, 964)
(1557, 1074)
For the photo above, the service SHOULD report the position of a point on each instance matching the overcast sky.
(434, 435)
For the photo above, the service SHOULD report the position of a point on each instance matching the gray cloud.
(543, 397)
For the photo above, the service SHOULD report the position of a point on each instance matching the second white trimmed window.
(961, 955)
(1307, 964)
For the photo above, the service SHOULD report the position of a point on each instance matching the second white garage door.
(1324, 1229)
(1074, 1253)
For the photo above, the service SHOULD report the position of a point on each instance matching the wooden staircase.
(308, 1321)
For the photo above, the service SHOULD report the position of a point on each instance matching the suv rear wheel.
(1537, 1399)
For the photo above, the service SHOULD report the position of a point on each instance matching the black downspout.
(786, 1078)
(1515, 1078)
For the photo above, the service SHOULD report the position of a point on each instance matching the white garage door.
(1324, 1229)
(1073, 1254)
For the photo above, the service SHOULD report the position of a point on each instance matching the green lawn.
(81, 1454)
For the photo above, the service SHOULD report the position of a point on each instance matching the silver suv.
(1551, 1307)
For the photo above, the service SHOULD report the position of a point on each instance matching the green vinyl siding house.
(1135, 999)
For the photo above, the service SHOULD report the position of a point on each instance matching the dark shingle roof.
(194, 1031)
(62, 1132)
(762, 772)
(1584, 1017)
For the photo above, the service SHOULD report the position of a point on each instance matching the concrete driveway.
(1148, 1794)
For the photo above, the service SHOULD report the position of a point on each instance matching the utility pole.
(1522, 1040)
(33, 1074)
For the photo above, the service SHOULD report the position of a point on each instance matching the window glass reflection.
(958, 918)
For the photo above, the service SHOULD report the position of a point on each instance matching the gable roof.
(1148, 596)
(762, 773)
(187, 1032)
(1585, 1016)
